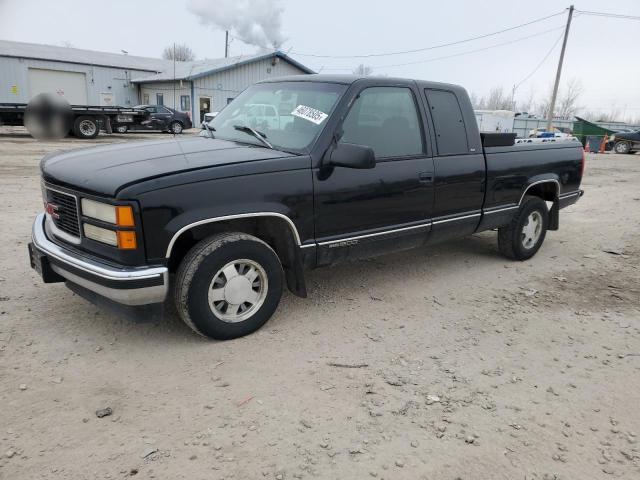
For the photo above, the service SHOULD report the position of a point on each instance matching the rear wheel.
(622, 147)
(228, 285)
(175, 128)
(85, 127)
(523, 237)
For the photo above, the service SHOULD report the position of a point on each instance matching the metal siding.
(166, 88)
(229, 83)
(14, 71)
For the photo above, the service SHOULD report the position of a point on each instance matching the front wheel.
(228, 285)
(523, 237)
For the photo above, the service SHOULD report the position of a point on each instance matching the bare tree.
(567, 105)
(363, 70)
(180, 53)
(498, 100)
(527, 105)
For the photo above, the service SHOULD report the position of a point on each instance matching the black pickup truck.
(350, 167)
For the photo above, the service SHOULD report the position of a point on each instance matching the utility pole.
(552, 105)
(226, 43)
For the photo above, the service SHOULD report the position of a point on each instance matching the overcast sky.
(602, 52)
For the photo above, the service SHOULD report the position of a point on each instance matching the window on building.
(451, 134)
(385, 119)
(159, 99)
(185, 103)
(145, 99)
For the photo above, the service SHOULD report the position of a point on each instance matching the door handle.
(426, 177)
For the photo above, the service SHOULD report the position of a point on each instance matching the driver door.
(364, 212)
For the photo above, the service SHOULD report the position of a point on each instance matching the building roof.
(85, 57)
(201, 68)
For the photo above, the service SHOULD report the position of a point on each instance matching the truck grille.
(64, 211)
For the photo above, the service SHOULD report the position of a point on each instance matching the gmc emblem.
(52, 210)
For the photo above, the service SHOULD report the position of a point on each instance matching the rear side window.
(451, 134)
(385, 119)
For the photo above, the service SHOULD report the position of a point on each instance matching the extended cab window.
(385, 119)
(451, 134)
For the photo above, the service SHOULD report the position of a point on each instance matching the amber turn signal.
(124, 217)
(127, 240)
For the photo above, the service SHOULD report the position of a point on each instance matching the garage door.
(70, 85)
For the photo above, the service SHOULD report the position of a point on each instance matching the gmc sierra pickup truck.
(350, 167)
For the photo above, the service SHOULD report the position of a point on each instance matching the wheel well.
(274, 231)
(546, 190)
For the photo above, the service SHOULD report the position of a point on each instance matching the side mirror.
(350, 155)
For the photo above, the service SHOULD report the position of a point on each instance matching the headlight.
(118, 215)
(100, 234)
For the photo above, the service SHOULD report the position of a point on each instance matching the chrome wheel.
(621, 147)
(87, 127)
(531, 230)
(238, 290)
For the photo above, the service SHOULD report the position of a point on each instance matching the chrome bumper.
(125, 285)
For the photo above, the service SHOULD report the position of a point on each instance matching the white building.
(208, 85)
(86, 77)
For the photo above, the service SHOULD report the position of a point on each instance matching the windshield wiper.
(259, 135)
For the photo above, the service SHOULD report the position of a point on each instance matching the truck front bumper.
(125, 285)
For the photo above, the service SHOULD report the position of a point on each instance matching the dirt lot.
(470, 366)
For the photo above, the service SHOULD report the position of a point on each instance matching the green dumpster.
(584, 128)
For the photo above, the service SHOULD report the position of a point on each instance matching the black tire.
(176, 127)
(195, 279)
(622, 147)
(511, 239)
(86, 127)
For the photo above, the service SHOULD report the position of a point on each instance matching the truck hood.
(105, 170)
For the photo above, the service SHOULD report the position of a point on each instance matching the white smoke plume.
(255, 22)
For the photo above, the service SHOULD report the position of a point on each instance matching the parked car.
(355, 167)
(160, 118)
(625, 142)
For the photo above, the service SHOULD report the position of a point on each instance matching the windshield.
(289, 114)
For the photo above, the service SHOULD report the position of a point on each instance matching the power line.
(454, 55)
(555, 44)
(610, 15)
(433, 47)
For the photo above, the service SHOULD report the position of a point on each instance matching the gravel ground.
(463, 364)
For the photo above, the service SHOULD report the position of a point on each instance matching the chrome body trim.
(463, 217)
(67, 237)
(499, 210)
(571, 194)
(102, 271)
(62, 235)
(376, 234)
(539, 182)
(293, 228)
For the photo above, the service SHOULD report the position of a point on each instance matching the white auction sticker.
(308, 113)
